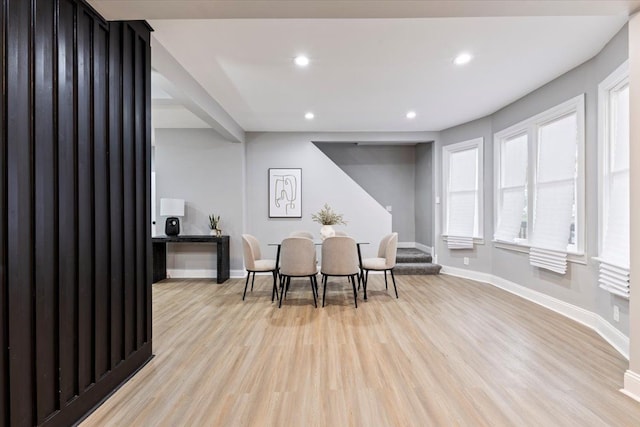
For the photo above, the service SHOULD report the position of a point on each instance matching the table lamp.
(173, 208)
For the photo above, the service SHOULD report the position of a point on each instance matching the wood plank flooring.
(449, 352)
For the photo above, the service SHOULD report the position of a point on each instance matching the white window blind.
(615, 245)
(555, 190)
(462, 199)
(615, 250)
(512, 187)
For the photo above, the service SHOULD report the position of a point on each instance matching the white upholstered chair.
(340, 258)
(385, 261)
(255, 264)
(297, 259)
(304, 234)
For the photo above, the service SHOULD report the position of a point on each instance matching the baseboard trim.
(617, 339)
(424, 248)
(405, 245)
(631, 385)
(188, 273)
(416, 245)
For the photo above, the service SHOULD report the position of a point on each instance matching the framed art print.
(285, 193)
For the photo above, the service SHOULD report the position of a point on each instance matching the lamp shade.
(171, 207)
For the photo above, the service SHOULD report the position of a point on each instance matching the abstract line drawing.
(285, 193)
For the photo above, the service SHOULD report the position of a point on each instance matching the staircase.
(414, 261)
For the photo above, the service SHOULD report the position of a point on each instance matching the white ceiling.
(365, 74)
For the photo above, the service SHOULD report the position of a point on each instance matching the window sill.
(476, 240)
(575, 258)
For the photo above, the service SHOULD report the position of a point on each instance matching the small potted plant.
(214, 225)
(328, 217)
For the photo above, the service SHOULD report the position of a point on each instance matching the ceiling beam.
(185, 90)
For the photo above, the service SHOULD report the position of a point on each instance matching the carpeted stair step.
(414, 261)
(417, 268)
(412, 255)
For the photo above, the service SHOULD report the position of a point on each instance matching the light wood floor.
(448, 352)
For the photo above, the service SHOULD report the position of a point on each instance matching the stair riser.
(411, 261)
(405, 259)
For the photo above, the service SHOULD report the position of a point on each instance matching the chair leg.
(282, 280)
(366, 282)
(315, 301)
(286, 286)
(324, 291)
(315, 285)
(274, 291)
(253, 278)
(394, 282)
(385, 280)
(355, 293)
(246, 282)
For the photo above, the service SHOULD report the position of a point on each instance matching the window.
(613, 140)
(513, 215)
(462, 179)
(539, 177)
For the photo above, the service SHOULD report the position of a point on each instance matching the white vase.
(327, 231)
(212, 232)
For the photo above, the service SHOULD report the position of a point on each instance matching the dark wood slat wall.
(102, 314)
(75, 272)
(67, 206)
(20, 211)
(46, 213)
(4, 297)
(116, 190)
(129, 194)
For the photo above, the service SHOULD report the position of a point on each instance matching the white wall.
(632, 376)
(205, 170)
(322, 181)
(424, 194)
(579, 286)
(480, 257)
(386, 172)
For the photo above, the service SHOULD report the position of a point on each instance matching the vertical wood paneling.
(116, 191)
(147, 138)
(101, 207)
(86, 284)
(74, 199)
(128, 162)
(45, 213)
(20, 212)
(140, 190)
(4, 359)
(68, 202)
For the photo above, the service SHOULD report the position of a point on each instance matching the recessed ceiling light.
(463, 58)
(309, 115)
(411, 115)
(301, 61)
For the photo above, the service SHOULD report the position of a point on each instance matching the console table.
(160, 253)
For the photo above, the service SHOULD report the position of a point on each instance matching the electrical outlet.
(616, 313)
(465, 260)
(389, 208)
(437, 200)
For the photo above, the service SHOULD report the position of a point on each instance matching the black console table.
(160, 253)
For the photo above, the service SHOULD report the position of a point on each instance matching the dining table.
(319, 243)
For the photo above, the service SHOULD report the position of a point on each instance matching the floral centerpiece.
(328, 217)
